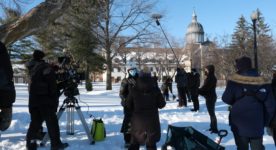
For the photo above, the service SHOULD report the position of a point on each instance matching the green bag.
(98, 130)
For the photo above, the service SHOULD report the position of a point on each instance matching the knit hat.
(244, 63)
(38, 55)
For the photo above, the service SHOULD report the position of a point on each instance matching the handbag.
(98, 130)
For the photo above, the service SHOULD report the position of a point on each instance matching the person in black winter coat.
(144, 101)
(208, 91)
(43, 102)
(169, 82)
(252, 105)
(165, 89)
(127, 85)
(155, 78)
(181, 83)
(273, 122)
(194, 83)
(7, 89)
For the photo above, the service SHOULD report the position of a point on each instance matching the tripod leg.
(46, 136)
(90, 138)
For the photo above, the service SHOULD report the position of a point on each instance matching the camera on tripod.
(69, 76)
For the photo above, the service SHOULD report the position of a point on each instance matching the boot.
(60, 146)
(31, 145)
(214, 131)
(194, 110)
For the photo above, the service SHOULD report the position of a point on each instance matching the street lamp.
(254, 18)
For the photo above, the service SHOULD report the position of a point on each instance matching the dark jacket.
(43, 86)
(252, 103)
(273, 84)
(193, 80)
(145, 100)
(7, 90)
(127, 85)
(208, 88)
(181, 78)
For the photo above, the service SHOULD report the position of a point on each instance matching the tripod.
(71, 103)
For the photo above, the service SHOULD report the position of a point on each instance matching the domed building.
(198, 49)
(195, 31)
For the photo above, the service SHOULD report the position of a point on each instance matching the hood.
(243, 64)
(145, 84)
(251, 80)
(211, 69)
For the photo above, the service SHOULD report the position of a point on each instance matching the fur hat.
(38, 55)
(244, 63)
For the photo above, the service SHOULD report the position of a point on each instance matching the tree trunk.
(108, 72)
(32, 22)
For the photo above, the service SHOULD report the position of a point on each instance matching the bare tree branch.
(35, 20)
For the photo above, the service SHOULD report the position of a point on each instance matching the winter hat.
(145, 72)
(244, 63)
(38, 55)
(131, 65)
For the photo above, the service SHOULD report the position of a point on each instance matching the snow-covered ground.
(106, 105)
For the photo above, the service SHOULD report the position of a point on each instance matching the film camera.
(68, 76)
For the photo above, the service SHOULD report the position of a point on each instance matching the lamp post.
(254, 18)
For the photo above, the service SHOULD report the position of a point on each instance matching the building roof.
(195, 26)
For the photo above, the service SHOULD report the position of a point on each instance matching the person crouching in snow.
(252, 105)
(144, 101)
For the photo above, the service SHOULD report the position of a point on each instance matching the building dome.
(195, 31)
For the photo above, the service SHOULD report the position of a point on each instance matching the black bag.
(187, 138)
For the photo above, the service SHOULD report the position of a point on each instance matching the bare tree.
(33, 21)
(117, 17)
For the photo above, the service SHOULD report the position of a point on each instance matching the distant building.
(159, 60)
(200, 50)
(197, 53)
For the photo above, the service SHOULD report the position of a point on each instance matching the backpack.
(98, 130)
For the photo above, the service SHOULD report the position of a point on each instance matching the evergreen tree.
(242, 43)
(240, 38)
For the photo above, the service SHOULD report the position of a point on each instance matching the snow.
(106, 105)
